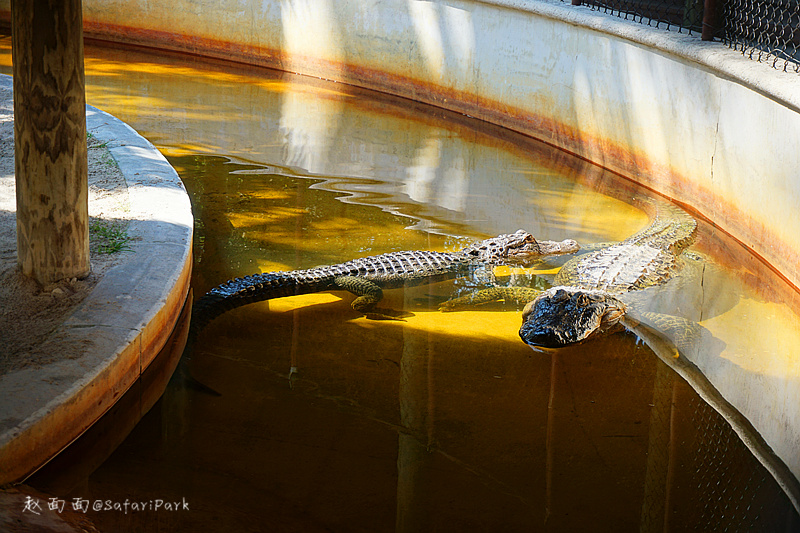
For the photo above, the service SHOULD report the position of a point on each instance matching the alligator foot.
(515, 295)
(387, 314)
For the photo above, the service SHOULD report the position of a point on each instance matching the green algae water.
(327, 421)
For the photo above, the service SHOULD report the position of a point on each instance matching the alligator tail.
(236, 293)
(223, 298)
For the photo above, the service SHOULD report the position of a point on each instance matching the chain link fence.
(676, 15)
(700, 476)
(763, 30)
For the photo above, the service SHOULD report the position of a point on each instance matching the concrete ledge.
(721, 60)
(121, 326)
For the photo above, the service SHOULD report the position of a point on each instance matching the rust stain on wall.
(722, 213)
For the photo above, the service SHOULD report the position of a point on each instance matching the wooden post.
(50, 139)
(709, 20)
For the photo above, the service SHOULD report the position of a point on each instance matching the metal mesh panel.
(700, 475)
(764, 30)
(732, 492)
(678, 15)
(722, 457)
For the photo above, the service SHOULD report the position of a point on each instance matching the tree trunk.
(50, 139)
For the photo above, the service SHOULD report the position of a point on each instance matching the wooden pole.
(709, 20)
(50, 139)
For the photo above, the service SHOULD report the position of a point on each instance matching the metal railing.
(764, 30)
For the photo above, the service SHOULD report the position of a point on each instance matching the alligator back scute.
(673, 230)
(407, 268)
(392, 270)
(648, 258)
(620, 268)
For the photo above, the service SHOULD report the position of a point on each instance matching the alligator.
(616, 286)
(589, 292)
(589, 296)
(368, 276)
(606, 290)
(365, 277)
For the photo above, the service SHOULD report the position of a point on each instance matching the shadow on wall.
(443, 45)
(461, 180)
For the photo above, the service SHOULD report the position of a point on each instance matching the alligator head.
(561, 316)
(518, 246)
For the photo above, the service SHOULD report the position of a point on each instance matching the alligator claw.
(387, 314)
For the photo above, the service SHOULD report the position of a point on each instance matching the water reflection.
(444, 174)
(443, 422)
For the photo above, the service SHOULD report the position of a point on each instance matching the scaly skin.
(367, 277)
(585, 301)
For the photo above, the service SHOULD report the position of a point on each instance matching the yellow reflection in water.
(186, 109)
(757, 353)
(586, 212)
(274, 216)
(5, 54)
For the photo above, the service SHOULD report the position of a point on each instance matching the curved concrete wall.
(694, 121)
(120, 327)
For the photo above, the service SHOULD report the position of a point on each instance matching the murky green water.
(443, 422)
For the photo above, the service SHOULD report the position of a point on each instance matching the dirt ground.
(30, 313)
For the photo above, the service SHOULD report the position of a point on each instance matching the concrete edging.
(121, 325)
(721, 60)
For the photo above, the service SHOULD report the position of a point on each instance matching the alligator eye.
(582, 300)
(560, 295)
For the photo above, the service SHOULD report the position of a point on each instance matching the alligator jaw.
(539, 249)
(519, 246)
(562, 316)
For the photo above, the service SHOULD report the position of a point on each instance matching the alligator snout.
(562, 316)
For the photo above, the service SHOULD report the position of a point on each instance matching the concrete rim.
(713, 56)
(121, 325)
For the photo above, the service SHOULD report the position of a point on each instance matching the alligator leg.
(517, 295)
(685, 334)
(369, 294)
